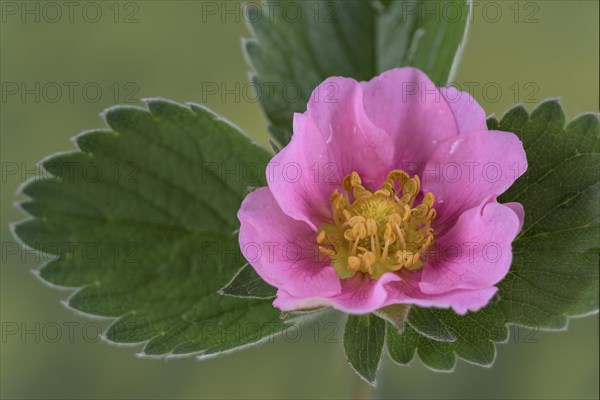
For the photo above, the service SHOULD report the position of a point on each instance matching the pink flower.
(386, 194)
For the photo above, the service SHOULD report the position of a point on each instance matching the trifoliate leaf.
(298, 44)
(142, 221)
(554, 274)
(364, 336)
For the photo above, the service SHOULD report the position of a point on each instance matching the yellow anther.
(327, 252)
(428, 200)
(351, 181)
(352, 221)
(395, 219)
(349, 235)
(353, 263)
(418, 182)
(420, 211)
(371, 225)
(410, 187)
(334, 196)
(383, 192)
(369, 259)
(398, 175)
(321, 237)
(359, 230)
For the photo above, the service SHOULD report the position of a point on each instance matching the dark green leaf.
(363, 343)
(143, 222)
(424, 321)
(247, 283)
(401, 345)
(555, 267)
(293, 51)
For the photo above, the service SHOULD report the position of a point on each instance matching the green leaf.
(247, 283)
(425, 322)
(363, 343)
(554, 274)
(142, 221)
(297, 45)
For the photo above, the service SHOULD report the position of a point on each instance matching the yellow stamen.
(379, 231)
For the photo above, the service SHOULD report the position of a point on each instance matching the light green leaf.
(364, 336)
(297, 45)
(247, 283)
(142, 221)
(554, 274)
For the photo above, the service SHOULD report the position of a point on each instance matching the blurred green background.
(173, 49)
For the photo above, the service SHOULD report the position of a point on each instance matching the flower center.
(377, 232)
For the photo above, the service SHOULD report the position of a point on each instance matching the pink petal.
(359, 295)
(466, 169)
(468, 114)
(411, 109)
(519, 210)
(332, 139)
(282, 250)
(294, 175)
(475, 253)
(460, 301)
